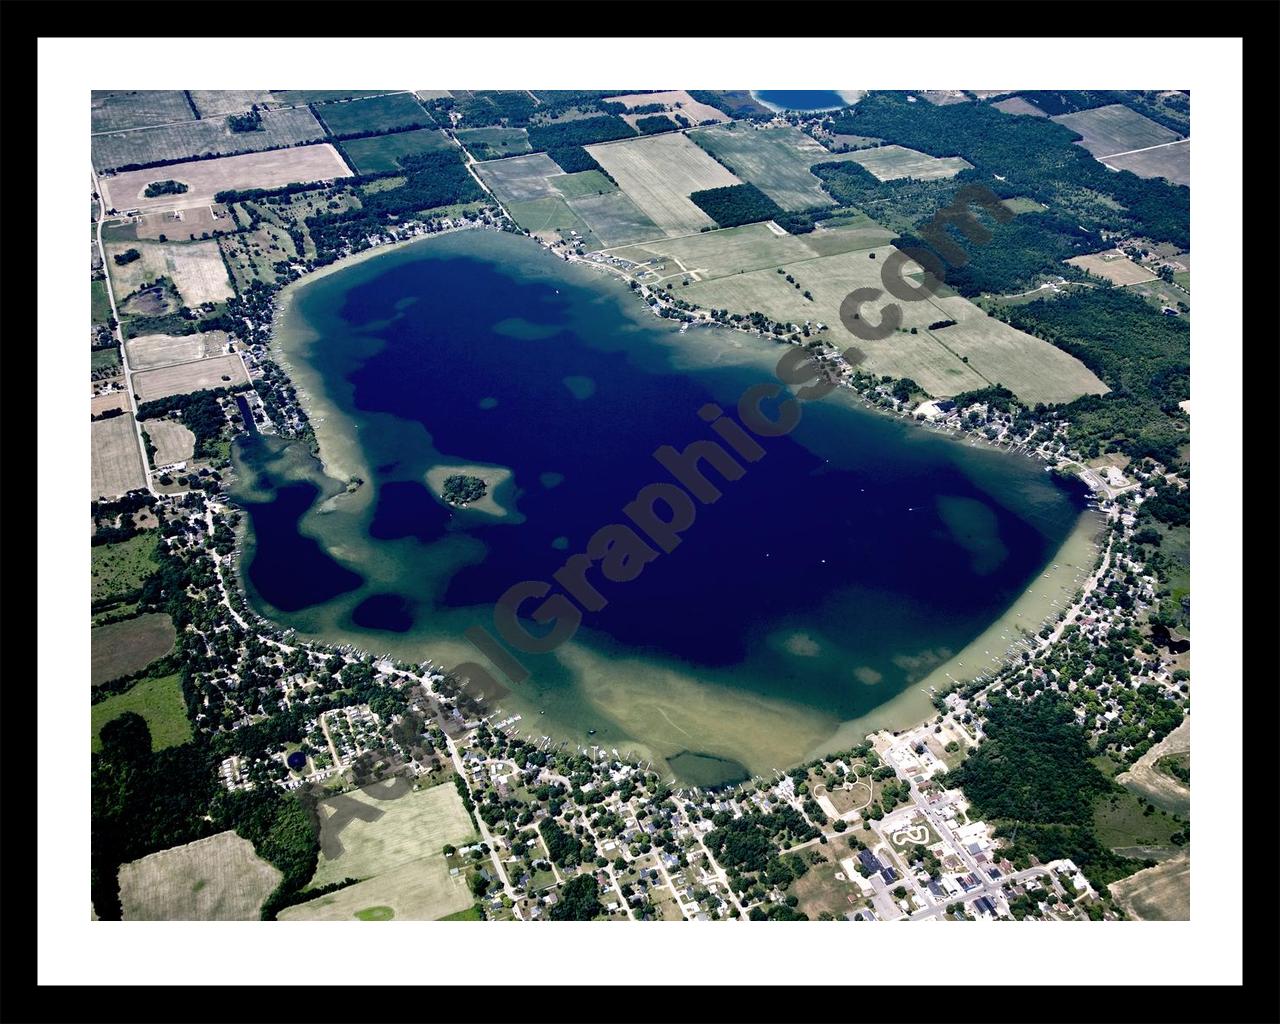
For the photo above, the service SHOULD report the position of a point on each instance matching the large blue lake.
(800, 99)
(846, 564)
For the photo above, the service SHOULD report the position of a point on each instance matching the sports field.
(382, 152)
(888, 163)
(1172, 162)
(116, 461)
(220, 878)
(116, 109)
(613, 218)
(205, 178)
(375, 114)
(659, 172)
(173, 441)
(122, 648)
(1115, 129)
(520, 178)
(159, 701)
(195, 268)
(775, 160)
(1114, 266)
(217, 372)
(286, 127)
(148, 351)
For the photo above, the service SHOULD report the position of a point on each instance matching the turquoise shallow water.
(856, 554)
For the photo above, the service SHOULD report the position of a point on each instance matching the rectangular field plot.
(775, 160)
(216, 879)
(675, 100)
(180, 225)
(220, 102)
(889, 163)
(551, 217)
(116, 459)
(613, 218)
(491, 143)
(659, 173)
(1113, 265)
(1172, 162)
(148, 351)
(713, 254)
(376, 114)
(205, 178)
(195, 268)
(520, 178)
(159, 701)
(122, 648)
(113, 110)
(422, 890)
(175, 142)
(1115, 129)
(295, 96)
(383, 152)
(1017, 105)
(582, 183)
(219, 372)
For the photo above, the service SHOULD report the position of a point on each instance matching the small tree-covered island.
(461, 489)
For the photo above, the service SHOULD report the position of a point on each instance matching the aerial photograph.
(538, 505)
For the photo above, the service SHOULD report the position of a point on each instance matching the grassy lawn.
(159, 701)
(104, 359)
(1119, 822)
(120, 569)
(472, 913)
(99, 304)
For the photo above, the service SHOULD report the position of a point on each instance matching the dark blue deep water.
(857, 542)
(801, 99)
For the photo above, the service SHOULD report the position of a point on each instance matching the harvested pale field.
(116, 458)
(520, 178)
(105, 403)
(712, 254)
(1115, 129)
(1172, 162)
(216, 879)
(1114, 266)
(1161, 893)
(113, 110)
(216, 102)
(775, 160)
(421, 890)
(188, 224)
(205, 178)
(122, 648)
(847, 236)
(1145, 779)
(432, 94)
(659, 173)
(195, 268)
(613, 218)
(688, 106)
(173, 441)
(280, 128)
(148, 351)
(1017, 105)
(888, 163)
(218, 372)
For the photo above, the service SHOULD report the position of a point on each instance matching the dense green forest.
(1028, 156)
(572, 159)
(1173, 110)
(736, 204)
(657, 123)
(579, 900)
(581, 132)
(899, 205)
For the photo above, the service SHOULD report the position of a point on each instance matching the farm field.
(173, 442)
(1114, 266)
(119, 569)
(122, 648)
(711, 254)
(206, 178)
(1115, 129)
(488, 143)
(888, 163)
(294, 96)
(374, 114)
(159, 701)
(659, 172)
(178, 142)
(116, 460)
(220, 878)
(613, 218)
(688, 106)
(111, 400)
(421, 890)
(99, 304)
(195, 268)
(113, 110)
(1172, 162)
(1161, 893)
(582, 183)
(1161, 789)
(148, 351)
(775, 160)
(220, 102)
(1023, 204)
(382, 152)
(552, 216)
(1017, 105)
(846, 235)
(224, 371)
(190, 223)
(520, 178)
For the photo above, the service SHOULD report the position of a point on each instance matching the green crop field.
(488, 143)
(382, 152)
(159, 701)
(294, 96)
(375, 114)
(120, 569)
(613, 218)
(583, 183)
(552, 215)
(775, 160)
(99, 304)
